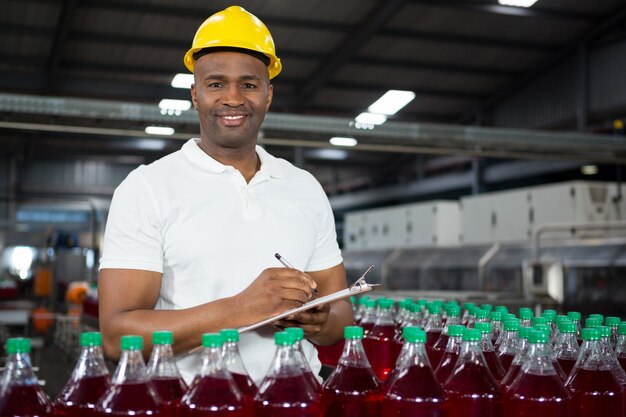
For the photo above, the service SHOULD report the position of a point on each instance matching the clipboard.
(360, 286)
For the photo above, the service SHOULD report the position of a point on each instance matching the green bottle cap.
(561, 318)
(370, 303)
(621, 328)
(567, 327)
(212, 340)
(574, 315)
(523, 332)
(590, 334)
(353, 332)
(549, 313)
(525, 313)
(502, 309)
(511, 316)
(434, 308)
(230, 335)
(486, 307)
(542, 327)
(438, 302)
(597, 316)
(162, 337)
(539, 320)
(538, 336)
(472, 310)
(296, 332)
(511, 325)
(283, 339)
(593, 322)
(18, 345)
(455, 330)
(612, 321)
(414, 334)
(363, 300)
(352, 299)
(467, 305)
(131, 342)
(495, 316)
(483, 327)
(482, 314)
(90, 339)
(413, 307)
(385, 303)
(454, 311)
(605, 331)
(471, 335)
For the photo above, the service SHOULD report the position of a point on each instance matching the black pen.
(288, 265)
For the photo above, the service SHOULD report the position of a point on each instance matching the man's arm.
(127, 298)
(324, 324)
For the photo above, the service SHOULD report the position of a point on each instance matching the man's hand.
(312, 321)
(275, 291)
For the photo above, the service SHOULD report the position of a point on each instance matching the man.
(190, 239)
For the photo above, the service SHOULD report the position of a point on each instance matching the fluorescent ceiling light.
(182, 81)
(331, 154)
(517, 3)
(160, 130)
(339, 141)
(371, 118)
(391, 102)
(171, 104)
(589, 169)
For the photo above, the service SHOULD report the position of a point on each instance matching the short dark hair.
(258, 55)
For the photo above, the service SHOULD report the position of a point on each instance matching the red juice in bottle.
(505, 360)
(131, 393)
(508, 343)
(163, 372)
(20, 393)
(285, 390)
(213, 391)
(567, 364)
(352, 390)
(471, 390)
(436, 350)
(90, 379)
(82, 397)
(246, 385)
(495, 367)
(379, 344)
(434, 324)
(413, 390)
(170, 390)
(538, 391)
(298, 334)
(620, 345)
(450, 356)
(234, 364)
(519, 359)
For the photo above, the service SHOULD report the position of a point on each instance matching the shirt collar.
(197, 156)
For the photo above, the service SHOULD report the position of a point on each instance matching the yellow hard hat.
(235, 27)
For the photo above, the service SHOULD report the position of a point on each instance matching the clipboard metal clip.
(360, 283)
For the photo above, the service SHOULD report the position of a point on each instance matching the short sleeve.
(133, 238)
(327, 253)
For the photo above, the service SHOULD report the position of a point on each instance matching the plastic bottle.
(595, 390)
(379, 344)
(566, 347)
(471, 390)
(471, 319)
(482, 316)
(352, 389)
(559, 370)
(298, 335)
(526, 316)
(593, 322)
(610, 357)
(507, 349)
(519, 359)
(369, 316)
(550, 316)
(537, 391)
(413, 390)
(620, 348)
(495, 367)
(612, 322)
(360, 309)
(89, 380)
(164, 373)
(131, 392)
(20, 393)
(285, 390)
(412, 320)
(436, 351)
(451, 354)
(214, 392)
(496, 326)
(575, 317)
(434, 324)
(235, 365)
(466, 312)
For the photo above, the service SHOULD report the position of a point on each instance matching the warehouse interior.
(501, 181)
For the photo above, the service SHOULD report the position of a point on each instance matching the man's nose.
(232, 96)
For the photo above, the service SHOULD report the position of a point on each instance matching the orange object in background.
(42, 282)
(76, 292)
(42, 319)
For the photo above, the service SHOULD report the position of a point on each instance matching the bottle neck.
(434, 322)
(213, 362)
(539, 360)
(353, 354)
(414, 355)
(18, 371)
(90, 363)
(620, 346)
(485, 343)
(566, 341)
(232, 358)
(454, 344)
(131, 368)
(384, 318)
(509, 343)
(286, 362)
(471, 353)
(592, 358)
(161, 363)
(452, 320)
(369, 315)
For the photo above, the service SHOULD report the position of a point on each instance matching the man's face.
(231, 93)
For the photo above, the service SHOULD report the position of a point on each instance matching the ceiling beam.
(364, 31)
(59, 42)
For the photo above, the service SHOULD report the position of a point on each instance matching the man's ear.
(270, 95)
(194, 98)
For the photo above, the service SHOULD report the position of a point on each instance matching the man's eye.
(249, 85)
(216, 85)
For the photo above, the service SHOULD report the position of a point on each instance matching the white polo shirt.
(211, 234)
